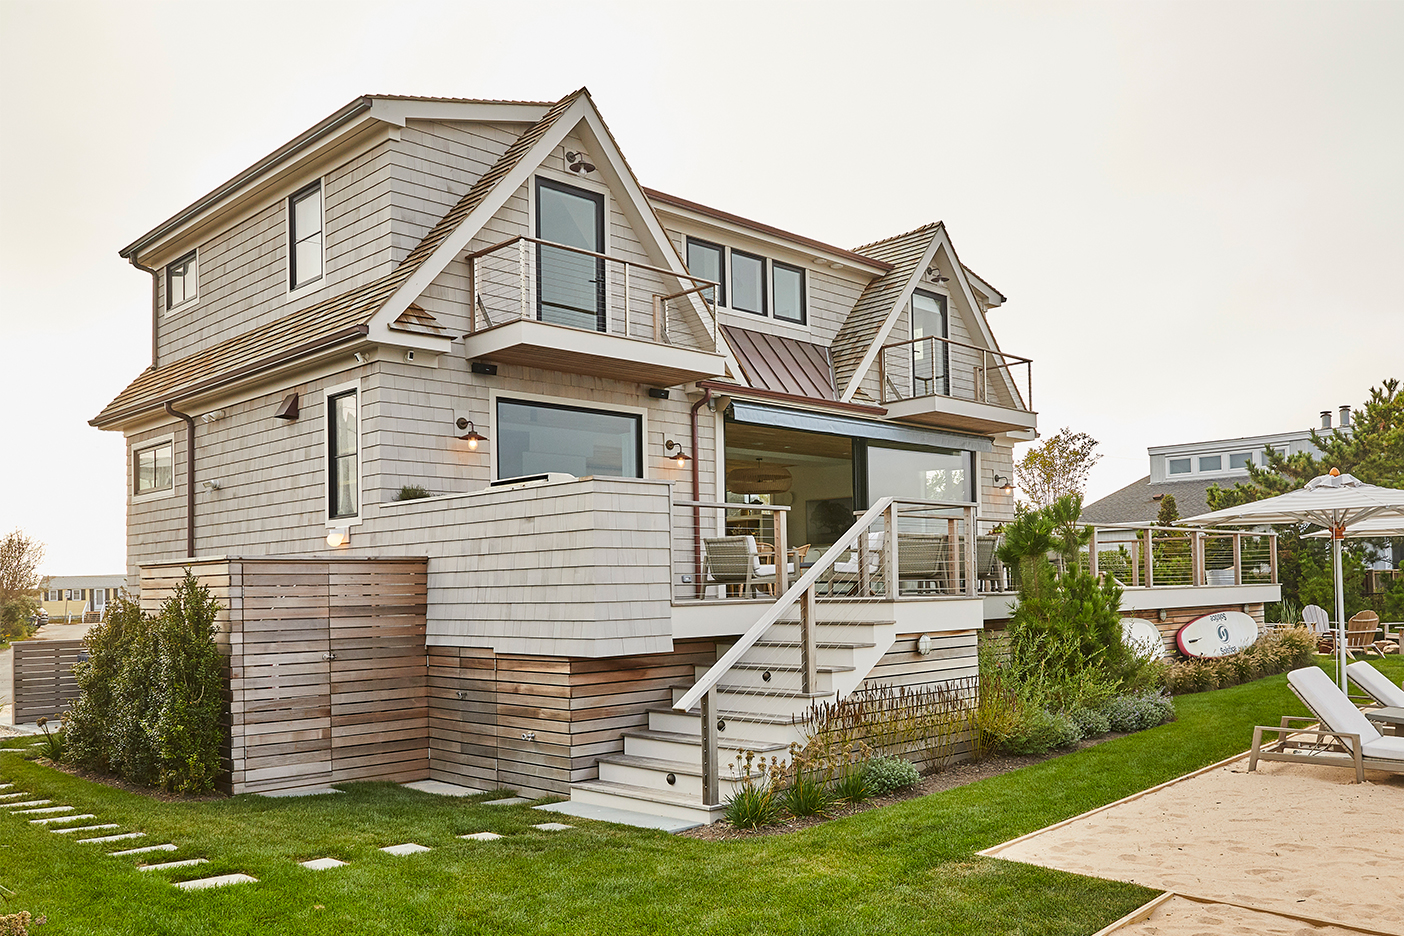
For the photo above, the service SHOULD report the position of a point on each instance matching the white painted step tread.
(820, 644)
(646, 794)
(730, 716)
(772, 693)
(735, 744)
(787, 668)
(666, 766)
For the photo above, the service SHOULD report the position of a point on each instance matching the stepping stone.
(552, 826)
(306, 791)
(322, 864)
(33, 802)
(218, 881)
(440, 788)
(409, 848)
(113, 838)
(173, 864)
(143, 850)
(73, 818)
(85, 828)
(12, 795)
(620, 816)
(509, 801)
(42, 809)
(481, 837)
(5, 786)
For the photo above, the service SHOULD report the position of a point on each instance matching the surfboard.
(1143, 637)
(1217, 634)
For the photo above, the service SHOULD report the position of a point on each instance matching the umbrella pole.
(1336, 535)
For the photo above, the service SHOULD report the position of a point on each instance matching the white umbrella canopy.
(1335, 501)
(1380, 526)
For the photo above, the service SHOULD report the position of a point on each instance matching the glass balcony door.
(929, 358)
(570, 287)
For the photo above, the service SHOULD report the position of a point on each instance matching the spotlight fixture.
(472, 436)
(657, 393)
(213, 416)
(338, 536)
(1004, 484)
(578, 163)
(211, 485)
(680, 457)
(483, 367)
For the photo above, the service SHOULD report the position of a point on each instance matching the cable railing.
(528, 278)
(895, 551)
(932, 367)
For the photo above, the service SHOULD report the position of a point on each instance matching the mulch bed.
(950, 778)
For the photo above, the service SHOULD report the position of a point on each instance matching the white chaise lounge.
(1375, 684)
(1345, 737)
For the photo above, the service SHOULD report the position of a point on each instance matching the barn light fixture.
(472, 436)
(1004, 484)
(679, 457)
(578, 163)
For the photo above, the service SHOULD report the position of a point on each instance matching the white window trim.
(306, 289)
(133, 497)
(328, 521)
(647, 452)
(191, 301)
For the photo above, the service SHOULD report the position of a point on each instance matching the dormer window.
(787, 286)
(182, 281)
(305, 236)
(706, 260)
(747, 283)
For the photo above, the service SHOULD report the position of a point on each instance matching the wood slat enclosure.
(537, 724)
(43, 677)
(327, 667)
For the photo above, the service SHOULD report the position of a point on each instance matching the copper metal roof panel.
(784, 365)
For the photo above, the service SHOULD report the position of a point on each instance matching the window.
(1178, 465)
(342, 446)
(705, 260)
(1211, 462)
(919, 473)
(747, 283)
(305, 235)
(182, 281)
(930, 357)
(72, 595)
(534, 438)
(55, 594)
(151, 469)
(1240, 459)
(787, 286)
(570, 286)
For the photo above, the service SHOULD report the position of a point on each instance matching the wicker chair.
(734, 563)
(923, 561)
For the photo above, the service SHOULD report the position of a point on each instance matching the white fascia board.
(272, 185)
(866, 273)
(398, 112)
(1168, 598)
(893, 314)
(1246, 443)
(996, 297)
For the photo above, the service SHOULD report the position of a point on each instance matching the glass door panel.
(929, 358)
(570, 287)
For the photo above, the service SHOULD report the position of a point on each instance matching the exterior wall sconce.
(338, 536)
(213, 416)
(935, 275)
(472, 436)
(679, 457)
(288, 408)
(578, 163)
(1004, 484)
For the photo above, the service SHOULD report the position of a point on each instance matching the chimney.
(1345, 417)
(1325, 419)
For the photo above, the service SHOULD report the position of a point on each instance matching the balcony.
(940, 382)
(561, 308)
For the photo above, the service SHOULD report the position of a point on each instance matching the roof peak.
(895, 237)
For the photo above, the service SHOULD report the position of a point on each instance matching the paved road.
(47, 632)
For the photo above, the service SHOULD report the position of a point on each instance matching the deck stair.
(803, 649)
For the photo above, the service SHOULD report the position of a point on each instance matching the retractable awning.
(760, 414)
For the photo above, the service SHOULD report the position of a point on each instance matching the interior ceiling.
(744, 443)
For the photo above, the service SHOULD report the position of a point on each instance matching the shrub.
(1140, 711)
(1092, 722)
(753, 803)
(1273, 653)
(807, 794)
(151, 693)
(1043, 731)
(885, 774)
(851, 787)
(411, 492)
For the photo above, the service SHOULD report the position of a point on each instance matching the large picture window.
(152, 469)
(919, 474)
(305, 235)
(536, 438)
(343, 443)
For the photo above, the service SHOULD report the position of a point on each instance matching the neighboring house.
(1189, 469)
(71, 596)
(478, 299)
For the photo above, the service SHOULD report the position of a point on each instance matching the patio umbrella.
(1336, 502)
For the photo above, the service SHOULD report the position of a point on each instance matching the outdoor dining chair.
(734, 563)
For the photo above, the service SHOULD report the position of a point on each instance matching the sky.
(1193, 208)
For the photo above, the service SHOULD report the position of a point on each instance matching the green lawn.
(909, 868)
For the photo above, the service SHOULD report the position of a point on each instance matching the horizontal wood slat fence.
(43, 678)
(327, 667)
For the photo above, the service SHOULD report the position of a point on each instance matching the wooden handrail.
(960, 344)
(702, 283)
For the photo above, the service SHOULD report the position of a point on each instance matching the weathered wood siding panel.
(42, 678)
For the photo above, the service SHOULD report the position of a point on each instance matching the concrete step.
(776, 675)
(749, 725)
(644, 800)
(687, 748)
(667, 775)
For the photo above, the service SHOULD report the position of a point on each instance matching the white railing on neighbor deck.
(510, 280)
(866, 564)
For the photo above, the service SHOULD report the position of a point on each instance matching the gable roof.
(784, 365)
(318, 327)
(904, 254)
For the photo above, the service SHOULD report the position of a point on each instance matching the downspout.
(697, 495)
(189, 479)
(155, 305)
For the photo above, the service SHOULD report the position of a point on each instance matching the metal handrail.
(982, 370)
(959, 344)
